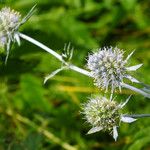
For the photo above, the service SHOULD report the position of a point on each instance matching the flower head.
(108, 68)
(10, 21)
(104, 114)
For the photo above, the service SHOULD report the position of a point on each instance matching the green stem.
(137, 115)
(56, 55)
(73, 67)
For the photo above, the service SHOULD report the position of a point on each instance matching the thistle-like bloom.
(104, 114)
(10, 21)
(109, 68)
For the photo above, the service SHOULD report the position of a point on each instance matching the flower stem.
(52, 52)
(135, 89)
(137, 115)
(80, 70)
(73, 67)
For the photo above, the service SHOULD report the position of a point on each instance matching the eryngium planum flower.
(10, 21)
(104, 114)
(109, 68)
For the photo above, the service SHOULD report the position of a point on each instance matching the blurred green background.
(34, 116)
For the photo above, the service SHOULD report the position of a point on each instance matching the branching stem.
(56, 55)
(73, 67)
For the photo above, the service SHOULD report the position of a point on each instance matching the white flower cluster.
(105, 115)
(9, 23)
(108, 68)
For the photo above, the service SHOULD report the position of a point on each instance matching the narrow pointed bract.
(17, 39)
(132, 79)
(127, 119)
(134, 68)
(123, 104)
(29, 14)
(94, 129)
(115, 133)
(53, 74)
(67, 52)
(128, 57)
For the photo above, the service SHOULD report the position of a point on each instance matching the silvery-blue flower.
(108, 68)
(10, 21)
(106, 115)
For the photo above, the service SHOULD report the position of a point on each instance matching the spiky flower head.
(10, 21)
(104, 114)
(109, 68)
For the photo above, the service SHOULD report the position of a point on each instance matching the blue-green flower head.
(108, 68)
(9, 21)
(104, 114)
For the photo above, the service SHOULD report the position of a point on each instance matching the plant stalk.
(56, 55)
(137, 115)
(73, 67)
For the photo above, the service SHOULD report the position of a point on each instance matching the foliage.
(37, 116)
